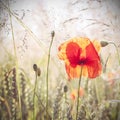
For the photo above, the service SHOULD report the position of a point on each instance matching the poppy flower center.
(82, 61)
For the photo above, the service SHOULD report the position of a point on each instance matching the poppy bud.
(52, 34)
(35, 67)
(104, 43)
(65, 88)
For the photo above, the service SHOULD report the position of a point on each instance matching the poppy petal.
(62, 51)
(81, 41)
(74, 72)
(93, 61)
(94, 69)
(91, 53)
(97, 45)
(73, 52)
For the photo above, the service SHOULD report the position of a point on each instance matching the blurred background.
(25, 37)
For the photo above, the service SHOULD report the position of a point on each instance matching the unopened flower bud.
(65, 88)
(35, 67)
(52, 34)
(104, 43)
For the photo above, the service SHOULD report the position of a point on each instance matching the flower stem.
(34, 110)
(116, 51)
(52, 35)
(86, 85)
(105, 66)
(78, 93)
(97, 92)
(16, 62)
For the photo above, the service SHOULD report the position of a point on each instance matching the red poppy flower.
(81, 52)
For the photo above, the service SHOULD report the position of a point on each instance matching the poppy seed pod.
(104, 43)
(52, 34)
(65, 88)
(35, 67)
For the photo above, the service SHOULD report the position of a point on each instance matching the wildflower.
(81, 52)
(74, 93)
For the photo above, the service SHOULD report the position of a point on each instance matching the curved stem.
(105, 66)
(116, 51)
(78, 92)
(47, 75)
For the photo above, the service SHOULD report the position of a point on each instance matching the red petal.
(93, 61)
(94, 69)
(73, 72)
(91, 53)
(73, 52)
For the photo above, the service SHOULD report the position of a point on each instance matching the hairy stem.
(78, 92)
(116, 51)
(34, 110)
(47, 75)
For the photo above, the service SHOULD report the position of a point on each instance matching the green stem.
(116, 51)
(34, 110)
(86, 85)
(16, 63)
(42, 105)
(97, 93)
(105, 66)
(14, 45)
(47, 75)
(65, 98)
(78, 92)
